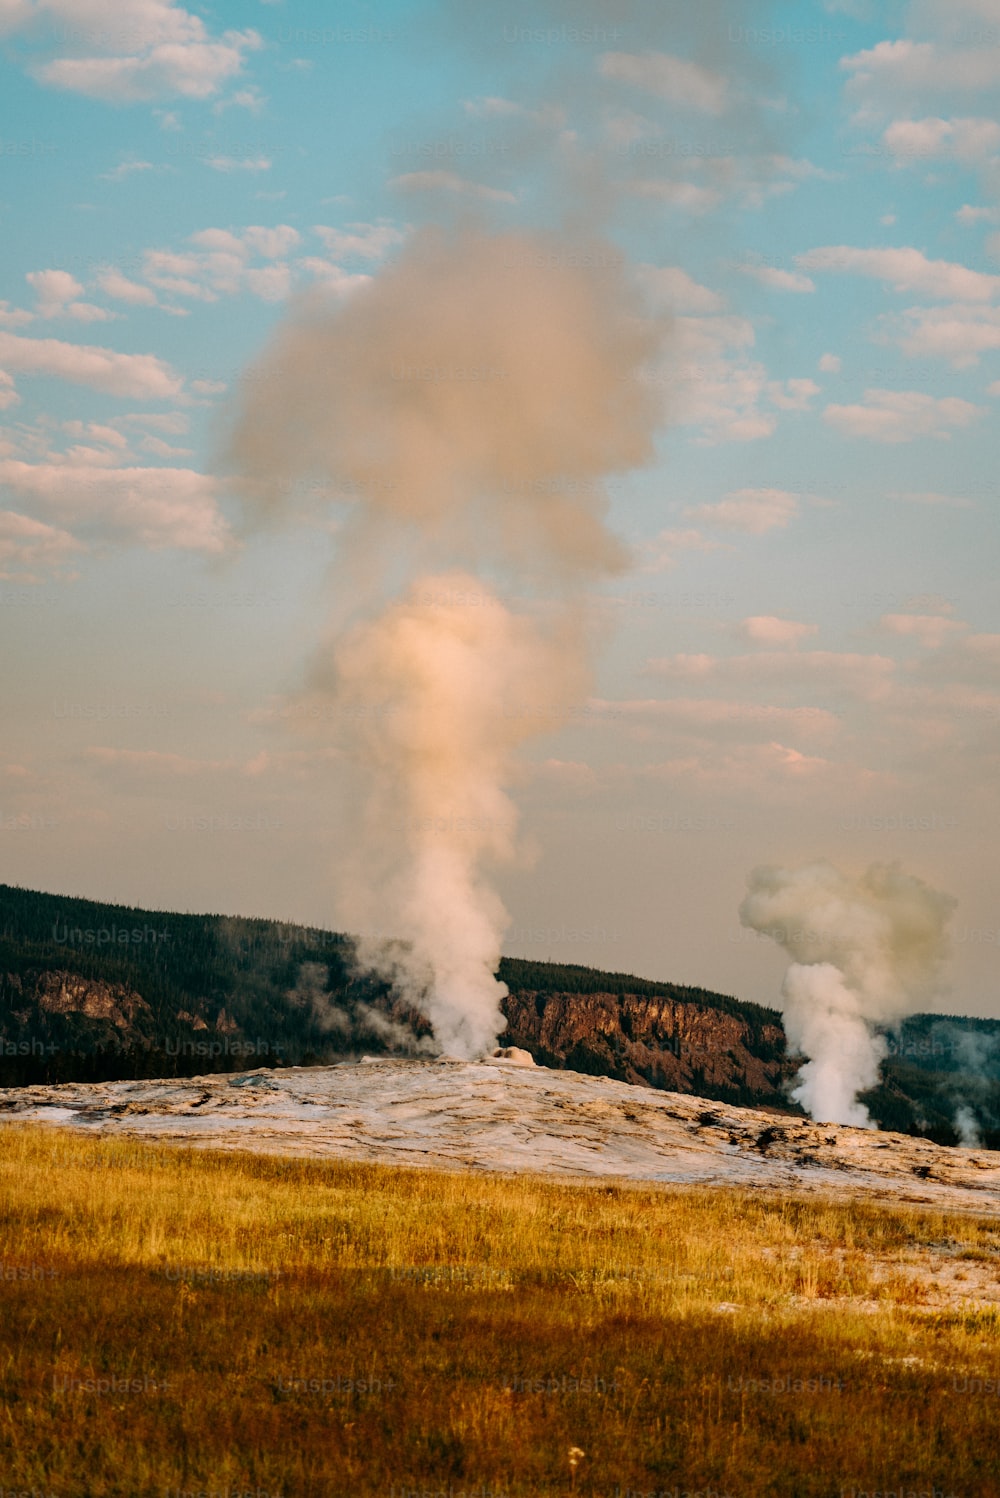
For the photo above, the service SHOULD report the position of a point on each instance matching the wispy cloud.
(905, 270)
(143, 50)
(450, 182)
(754, 511)
(682, 83)
(902, 416)
(135, 376)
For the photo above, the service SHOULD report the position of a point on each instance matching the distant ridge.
(96, 991)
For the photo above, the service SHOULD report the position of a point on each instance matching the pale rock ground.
(507, 1115)
(503, 1115)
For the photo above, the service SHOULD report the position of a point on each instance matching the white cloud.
(152, 507)
(754, 511)
(717, 718)
(332, 278)
(271, 243)
(967, 140)
(660, 554)
(29, 547)
(272, 283)
(792, 395)
(180, 274)
(901, 416)
(8, 392)
(140, 50)
(152, 768)
(774, 175)
(53, 288)
(777, 279)
(245, 98)
(959, 333)
(121, 289)
(767, 629)
(221, 240)
(830, 364)
(443, 181)
(161, 449)
(670, 286)
(690, 196)
(494, 107)
(135, 376)
(699, 183)
(905, 269)
(238, 163)
(566, 774)
(174, 422)
(680, 82)
(125, 169)
(110, 436)
(930, 630)
(360, 241)
(218, 265)
(56, 291)
(773, 770)
(968, 214)
(709, 382)
(906, 68)
(490, 106)
(868, 677)
(14, 317)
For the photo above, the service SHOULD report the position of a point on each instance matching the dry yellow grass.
(218, 1323)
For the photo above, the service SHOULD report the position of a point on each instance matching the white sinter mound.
(504, 1115)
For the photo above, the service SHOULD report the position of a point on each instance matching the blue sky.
(803, 660)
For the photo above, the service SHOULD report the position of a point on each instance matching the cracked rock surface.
(499, 1116)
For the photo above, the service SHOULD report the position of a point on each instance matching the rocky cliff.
(652, 1041)
(44, 1012)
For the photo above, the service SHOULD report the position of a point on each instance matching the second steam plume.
(865, 951)
(466, 407)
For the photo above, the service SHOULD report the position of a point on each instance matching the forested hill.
(96, 991)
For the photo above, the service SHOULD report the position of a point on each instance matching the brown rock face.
(653, 1041)
(69, 993)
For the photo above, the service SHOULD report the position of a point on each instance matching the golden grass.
(168, 1311)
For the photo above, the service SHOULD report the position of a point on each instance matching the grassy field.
(179, 1322)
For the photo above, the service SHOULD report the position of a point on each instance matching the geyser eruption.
(865, 952)
(468, 404)
(462, 674)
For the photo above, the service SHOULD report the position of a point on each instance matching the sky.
(800, 661)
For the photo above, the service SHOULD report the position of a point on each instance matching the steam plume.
(468, 403)
(973, 1075)
(462, 673)
(967, 1126)
(474, 395)
(865, 952)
